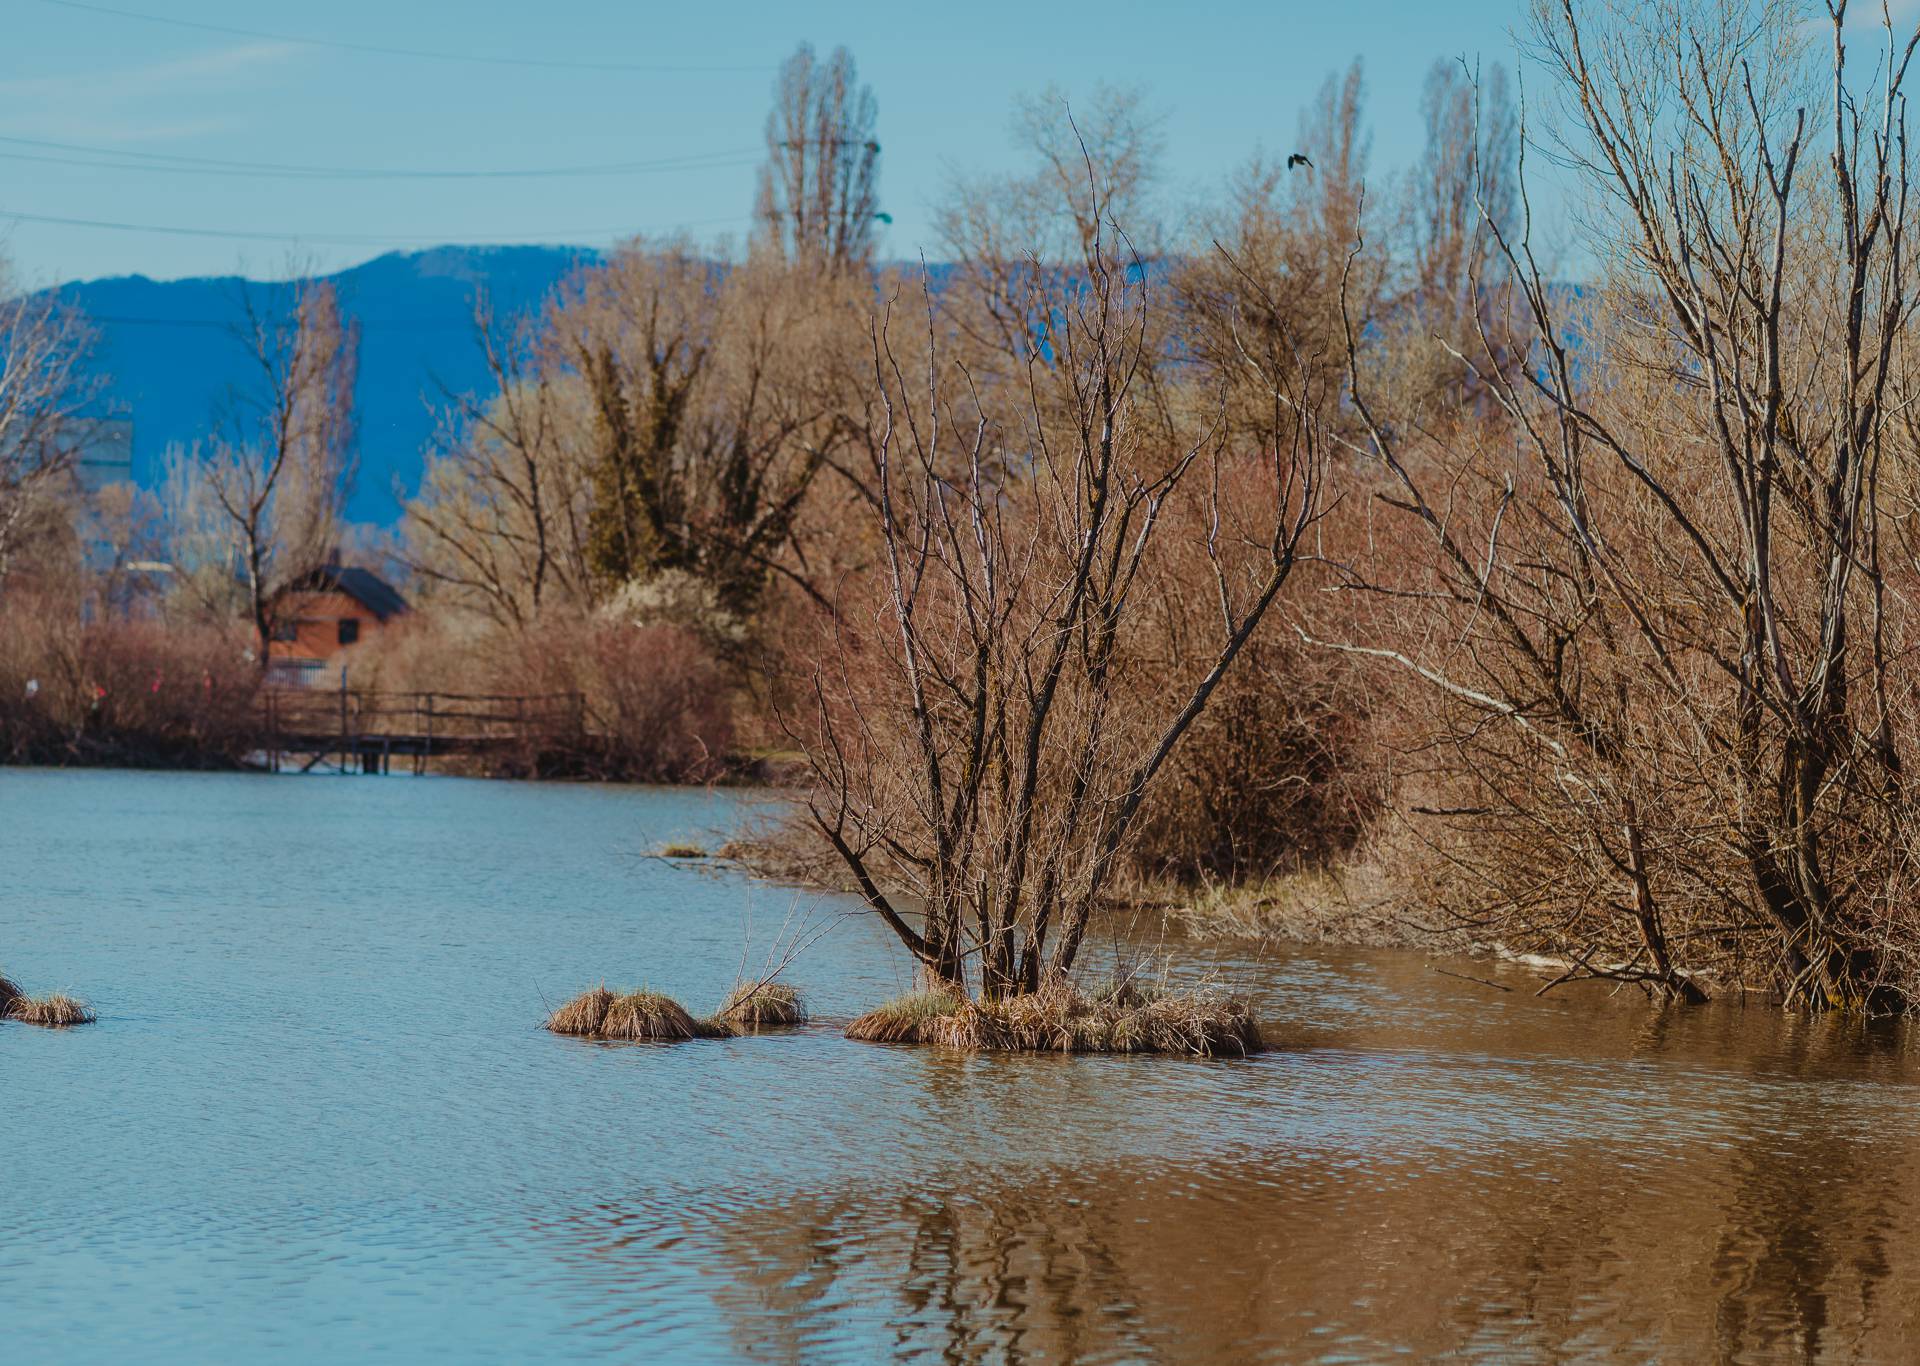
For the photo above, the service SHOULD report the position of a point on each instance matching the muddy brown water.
(317, 1122)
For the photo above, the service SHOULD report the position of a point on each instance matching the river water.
(318, 1121)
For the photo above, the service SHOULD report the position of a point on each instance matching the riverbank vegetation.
(1317, 556)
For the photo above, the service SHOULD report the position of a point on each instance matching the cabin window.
(349, 630)
(286, 630)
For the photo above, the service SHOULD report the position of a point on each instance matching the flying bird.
(1299, 159)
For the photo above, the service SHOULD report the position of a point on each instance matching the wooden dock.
(367, 729)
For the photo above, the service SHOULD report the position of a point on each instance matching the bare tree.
(819, 187)
(1004, 232)
(709, 418)
(500, 520)
(982, 742)
(43, 394)
(1464, 195)
(266, 493)
(1261, 288)
(1660, 613)
(1466, 178)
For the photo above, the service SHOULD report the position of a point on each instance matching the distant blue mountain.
(170, 359)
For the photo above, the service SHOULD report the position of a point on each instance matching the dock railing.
(373, 726)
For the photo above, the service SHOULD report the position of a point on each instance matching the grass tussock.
(1126, 1018)
(905, 1019)
(649, 1015)
(762, 1004)
(634, 1015)
(680, 849)
(584, 1014)
(51, 1012)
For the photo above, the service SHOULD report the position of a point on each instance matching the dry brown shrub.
(1285, 772)
(138, 693)
(1276, 775)
(658, 703)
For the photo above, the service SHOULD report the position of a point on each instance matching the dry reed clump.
(601, 1014)
(905, 1019)
(52, 1012)
(763, 1004)
(584, 1014)
(680, 849)
(1127, 1019)
(649, 1015)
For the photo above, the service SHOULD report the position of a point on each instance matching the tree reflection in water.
(1792, 1253)
(1694, 1185)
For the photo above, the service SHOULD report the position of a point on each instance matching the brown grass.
(763, 1004)
(682, 850)
(634, 1015)
(905, 1019)
(1129, 1020)
(53, 1012)
(584, 1014)
(648, 1015)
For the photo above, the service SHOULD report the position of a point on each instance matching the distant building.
(321, 618)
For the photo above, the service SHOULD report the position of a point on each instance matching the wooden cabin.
(321, 618)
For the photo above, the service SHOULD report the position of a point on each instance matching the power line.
(376, 49)
(130, 160)
(376, 324)
(358, 239)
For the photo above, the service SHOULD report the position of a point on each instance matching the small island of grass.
(1124, 1019)
(630, 1016)
(756, 1005)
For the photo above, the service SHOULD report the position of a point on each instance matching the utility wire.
(372, 324)
(359, 239)
(376, 49)
(264, 170)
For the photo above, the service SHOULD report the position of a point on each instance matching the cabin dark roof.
(362, 585)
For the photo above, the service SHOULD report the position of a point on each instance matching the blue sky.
(1226, 76)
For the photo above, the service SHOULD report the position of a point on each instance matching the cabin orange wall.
(318, 616)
